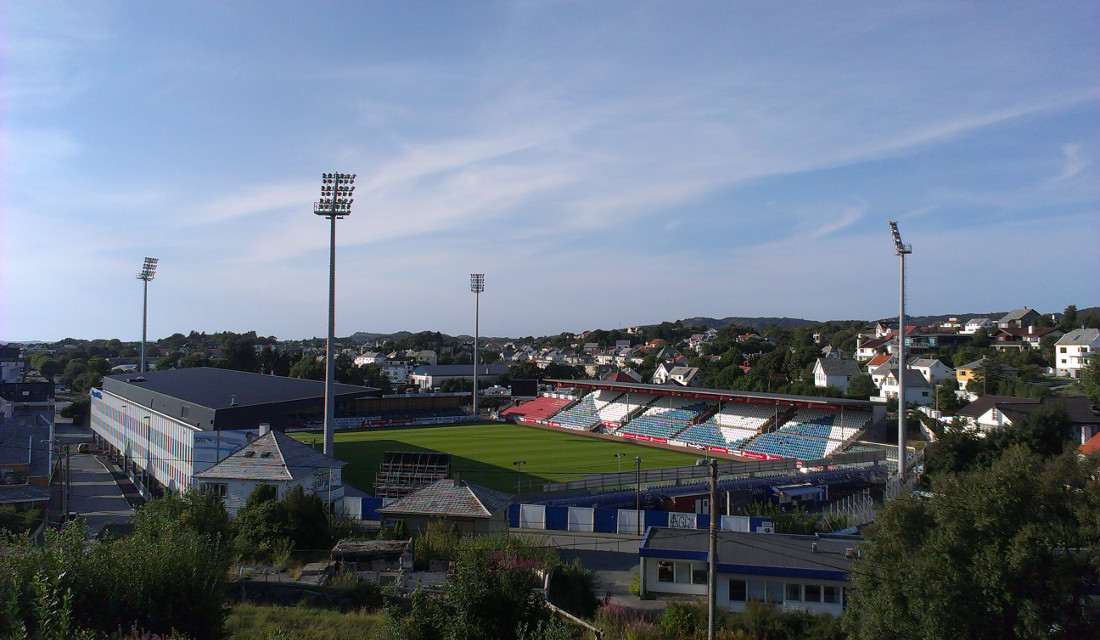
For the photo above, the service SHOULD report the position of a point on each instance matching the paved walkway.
(97, 490)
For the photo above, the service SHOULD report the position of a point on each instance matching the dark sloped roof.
(217, 388)
(1016, 314)
(838, 366)
(1079, 408)
(273, 456)
(449, 497)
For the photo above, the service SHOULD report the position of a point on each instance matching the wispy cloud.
(1073, 162)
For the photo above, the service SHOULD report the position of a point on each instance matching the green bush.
(682, 619)
(573, 588)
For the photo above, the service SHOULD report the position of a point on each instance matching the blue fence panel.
(606, 520)
(513, 515)
(702, 521)
(557, 518)
(655, 518)
(370, 508)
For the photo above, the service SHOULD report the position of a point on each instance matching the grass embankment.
(267, 622)
(484, 452)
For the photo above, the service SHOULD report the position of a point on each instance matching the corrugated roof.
(273, 456)
(450, 497)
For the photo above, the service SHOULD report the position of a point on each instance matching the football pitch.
(484, 452)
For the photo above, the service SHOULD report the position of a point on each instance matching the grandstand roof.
(717, 395)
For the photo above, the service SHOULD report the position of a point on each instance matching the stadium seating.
(790, 445)
(666, 419)
(537, 409)
(581, 415)
(748, 416)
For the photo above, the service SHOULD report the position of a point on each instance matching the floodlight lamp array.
(477, 282)
(148, 269)
(900, 248)
(336, 194)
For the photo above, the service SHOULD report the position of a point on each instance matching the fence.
(859, 508)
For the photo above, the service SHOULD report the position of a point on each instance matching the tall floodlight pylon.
(148, 270)
(335, 202)
(902, 250)
(477, 286)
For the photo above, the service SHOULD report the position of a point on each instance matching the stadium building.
(764, 426)
(166, 426)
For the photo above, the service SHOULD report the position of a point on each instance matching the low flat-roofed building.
(792, 571)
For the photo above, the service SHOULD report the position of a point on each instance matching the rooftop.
(451, 497)
(219, 388)
(272, 456)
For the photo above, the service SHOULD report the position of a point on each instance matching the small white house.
(833, 372)
(974, 324)
(917, 389)
(932, 369)
(791, 571)
(274, 459)
(1072, 351)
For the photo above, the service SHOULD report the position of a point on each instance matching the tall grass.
(268, 622)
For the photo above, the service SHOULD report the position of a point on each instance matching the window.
(1061, 349)
(738, 591)
(775, 591)
(219, 488)
(794, 591)
(683, 572)
(813, 593)
(664, 572)
(831, 595)
(698, 573)
(756, 590)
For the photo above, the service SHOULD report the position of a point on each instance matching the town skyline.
(603, 165)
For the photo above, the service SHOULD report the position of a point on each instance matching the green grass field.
(484, 453)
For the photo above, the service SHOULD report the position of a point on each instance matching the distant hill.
(757, 324)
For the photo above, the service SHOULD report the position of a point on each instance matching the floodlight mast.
(902, 250)
(477, 285)
(335, 202)
(148, 271)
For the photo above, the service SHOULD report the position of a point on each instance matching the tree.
(308, 367)
(1069, 318)
(1089, 380)
(861, 387)
(1000, 552)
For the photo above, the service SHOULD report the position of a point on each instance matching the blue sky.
(603, 163)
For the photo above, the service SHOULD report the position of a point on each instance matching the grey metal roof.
(450, 497)
(218, 388)
(978, 363)
(1079, 337)
(838, 366)
(925, 362)
(273, 456)
(777, 550)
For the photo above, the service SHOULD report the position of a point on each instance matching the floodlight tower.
(902, 250)
(335, 202)
(477, 285)
(148, 270)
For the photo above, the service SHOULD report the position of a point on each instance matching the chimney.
(813, 547)
(458, 478)
(232, 399)
(265, 429)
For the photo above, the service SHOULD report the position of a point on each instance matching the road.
(94, 492)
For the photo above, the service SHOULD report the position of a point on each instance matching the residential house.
(932, 369)
(833, 372)
(1018, 318)
(370, 357)
(969, 371)
(869, 348)
(277, 460)
(469, 507)
(917, 389)
(974, 324)
(990, 411)
(1072, 351)
(1027, 337)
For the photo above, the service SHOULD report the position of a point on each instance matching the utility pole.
(712, 556)
(638, 494)
(67, 484)
(518, 464)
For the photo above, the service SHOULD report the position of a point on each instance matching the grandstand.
(758, 425)
(538, 409)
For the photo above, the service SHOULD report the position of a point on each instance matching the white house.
(974, 324)
(833, 372)
(370, 357)
(395, 370)
(277, 460)
(932, 369)
(917, 389)
(791, 571)
(1071, 352)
